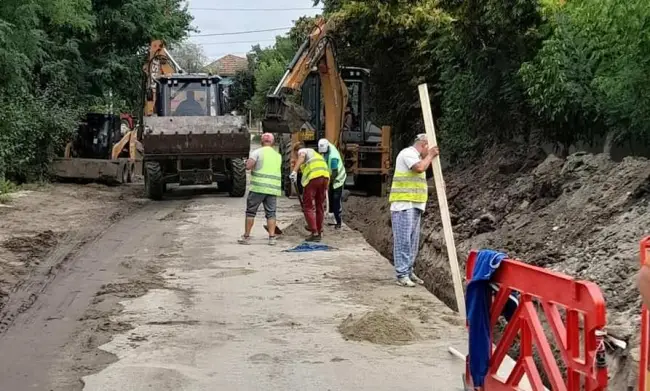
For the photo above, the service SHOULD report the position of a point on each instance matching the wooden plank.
(442, 201)
(504, 371)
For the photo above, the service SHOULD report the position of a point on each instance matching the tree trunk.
(610, 141)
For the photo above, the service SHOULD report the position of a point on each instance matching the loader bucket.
(99, 170)
(283, 116)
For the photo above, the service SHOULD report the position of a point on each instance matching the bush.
(33, 129)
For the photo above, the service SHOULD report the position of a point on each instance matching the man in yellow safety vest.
(408, 198)
(315, 181)
(266, 185)
(337, 178)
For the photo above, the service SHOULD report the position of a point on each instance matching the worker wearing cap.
(408, 198)
(337, 178)
(315, 181)
(266, 185)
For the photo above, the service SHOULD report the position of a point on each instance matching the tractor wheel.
(238, 181)
(285, 151)
(153, 181)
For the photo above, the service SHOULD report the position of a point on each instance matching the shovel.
(278, 231)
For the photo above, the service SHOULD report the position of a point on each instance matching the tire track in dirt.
(26, 292)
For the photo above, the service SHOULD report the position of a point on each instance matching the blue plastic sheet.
(306, 247)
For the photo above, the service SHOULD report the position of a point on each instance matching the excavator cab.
(195, 95)
(96, 135)
(357, 129)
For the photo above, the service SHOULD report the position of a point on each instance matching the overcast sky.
(223, 21)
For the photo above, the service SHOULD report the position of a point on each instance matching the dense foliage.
(266, 67)
(538, 70)
(530, 70)
(61, 58)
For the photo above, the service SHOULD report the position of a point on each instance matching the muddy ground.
(40, 229)
(584, 216)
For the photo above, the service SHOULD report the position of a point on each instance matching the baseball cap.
(323, 144)
(267, 138)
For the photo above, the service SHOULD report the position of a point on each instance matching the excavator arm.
(316, 53)
(159, 63)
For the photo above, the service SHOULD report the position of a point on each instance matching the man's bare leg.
(249, 226)
(271, 224)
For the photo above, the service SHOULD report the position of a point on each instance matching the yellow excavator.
(105, 149)
(334, 105)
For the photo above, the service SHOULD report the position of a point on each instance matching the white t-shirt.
(258, 157)
(406, 159)
(308, 152)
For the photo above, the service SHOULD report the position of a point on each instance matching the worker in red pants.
(315, 182)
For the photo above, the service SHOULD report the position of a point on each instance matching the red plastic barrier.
(645, 326)
(585, 365)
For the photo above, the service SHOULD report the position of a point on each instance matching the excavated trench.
(583, 216)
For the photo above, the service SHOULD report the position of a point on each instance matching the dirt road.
(164, 299)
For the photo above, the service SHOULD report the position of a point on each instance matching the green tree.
(62, 57)
(242, 90)
(190, 56)
(591, 75)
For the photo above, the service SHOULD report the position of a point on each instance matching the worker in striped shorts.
(408, 198)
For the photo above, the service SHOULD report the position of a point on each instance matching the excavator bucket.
(282, 116)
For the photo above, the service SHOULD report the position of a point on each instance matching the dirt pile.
(380, 327)
(583, 216)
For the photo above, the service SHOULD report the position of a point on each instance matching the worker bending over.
(266, 186)
(408, 198)
(315, 180)
(337, 178)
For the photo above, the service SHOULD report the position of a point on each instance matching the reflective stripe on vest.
(341, 175)
(316, 167)
(409, 187)
(268, 179)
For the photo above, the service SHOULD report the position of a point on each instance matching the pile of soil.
(583, 216)
(379, 327)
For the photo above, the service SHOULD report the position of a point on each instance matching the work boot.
(244, 240)
(416, 279)
(313, 238)
(272, 241)
(406, 282)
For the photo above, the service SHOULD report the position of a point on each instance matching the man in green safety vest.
(408, 198)
(337, 178)
(266, 185)
(315, 181)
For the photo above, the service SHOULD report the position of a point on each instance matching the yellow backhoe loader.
(335, 106)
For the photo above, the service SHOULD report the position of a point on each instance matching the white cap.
(323, 144)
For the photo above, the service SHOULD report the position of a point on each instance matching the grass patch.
(7, 187)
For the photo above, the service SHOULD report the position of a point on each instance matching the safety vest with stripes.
(315, 167)
(409, 186)
(341, 175)
(268, 178)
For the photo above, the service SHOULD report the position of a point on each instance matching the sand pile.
(380, 327)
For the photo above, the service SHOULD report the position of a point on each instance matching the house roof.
(228, 65)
